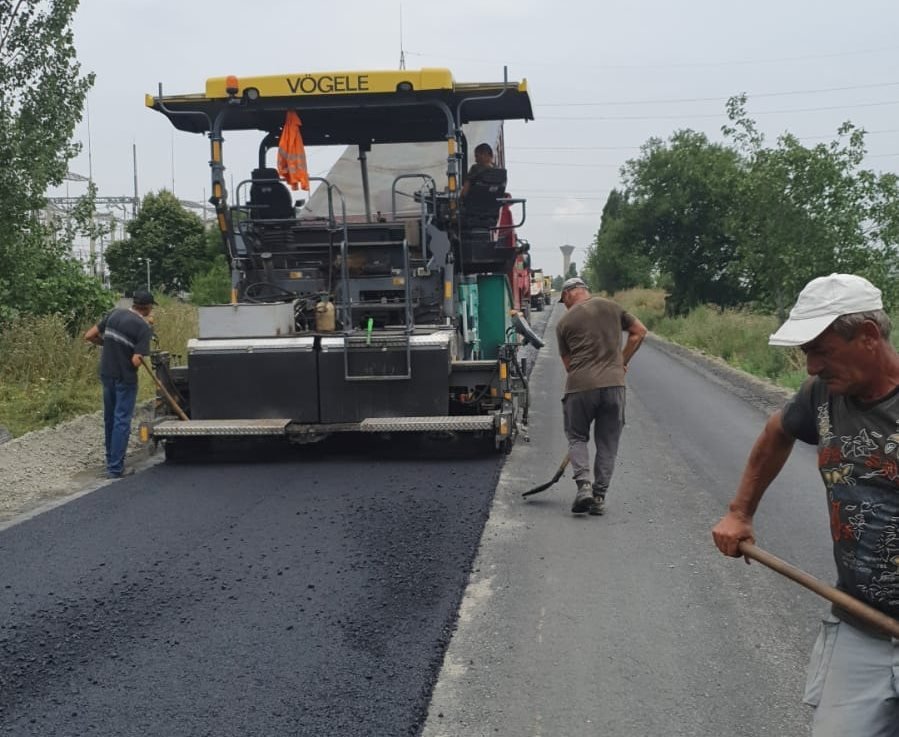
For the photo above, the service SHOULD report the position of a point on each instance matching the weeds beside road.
(48, 375)
(738, 337)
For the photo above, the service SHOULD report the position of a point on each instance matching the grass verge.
(48, 375)
(739, 337)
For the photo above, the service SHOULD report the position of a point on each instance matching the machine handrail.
(423, 201)
(422, 176)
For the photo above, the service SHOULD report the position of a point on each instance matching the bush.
(211, 287)
(174, 323)
(46, 374)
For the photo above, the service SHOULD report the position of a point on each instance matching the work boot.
(124, 472)
(597, 505)
(584, 498)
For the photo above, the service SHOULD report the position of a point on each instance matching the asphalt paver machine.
(382, 302)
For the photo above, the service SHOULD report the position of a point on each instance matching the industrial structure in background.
(110, 217)
(566, 259)
(382, 303)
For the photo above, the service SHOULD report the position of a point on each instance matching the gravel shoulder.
(45, 467)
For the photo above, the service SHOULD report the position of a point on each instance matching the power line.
(658, 65)
(719, 115)
(561, 163)
(618, 166)
(569, 191)
(562, 197)
(720, 98)
(563, 214)
(637, 148)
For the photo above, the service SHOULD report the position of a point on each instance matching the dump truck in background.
(537, 298)
(364, 309)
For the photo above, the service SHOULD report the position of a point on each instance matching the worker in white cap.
(849, 409)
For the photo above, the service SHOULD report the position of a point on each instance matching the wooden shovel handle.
(165, 392)
(857, 608)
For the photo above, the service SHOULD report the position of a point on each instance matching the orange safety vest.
(292, 154)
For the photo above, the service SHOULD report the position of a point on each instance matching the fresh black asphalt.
(313, 593)
(298, 597)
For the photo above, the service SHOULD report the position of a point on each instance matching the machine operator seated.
(483, 187)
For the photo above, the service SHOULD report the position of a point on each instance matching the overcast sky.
(603, 76)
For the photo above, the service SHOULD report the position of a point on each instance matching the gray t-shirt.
(124, 334)
(858, 456)
(590, 335)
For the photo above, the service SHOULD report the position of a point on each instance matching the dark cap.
(142, 298)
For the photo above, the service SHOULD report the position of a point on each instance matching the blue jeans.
(119, 398)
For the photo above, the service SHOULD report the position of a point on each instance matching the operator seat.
(269, 198)
(480, 208)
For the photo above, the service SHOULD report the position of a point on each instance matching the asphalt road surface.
(632, 624)
(317, 597)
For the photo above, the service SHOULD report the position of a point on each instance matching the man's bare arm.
(93, 336)
(636, 332)
(767, 458)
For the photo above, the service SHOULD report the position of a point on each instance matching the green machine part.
(494, 308)
(468, 316)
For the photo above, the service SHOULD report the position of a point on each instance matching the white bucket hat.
(821, 302)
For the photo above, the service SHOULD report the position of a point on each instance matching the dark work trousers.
(604, 409)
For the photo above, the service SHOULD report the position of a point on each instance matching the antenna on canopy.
(402, 52)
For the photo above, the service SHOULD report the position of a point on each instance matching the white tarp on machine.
(388, 161)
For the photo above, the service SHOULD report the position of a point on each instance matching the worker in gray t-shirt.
(125, 337)
(589, 338)
(849, 409)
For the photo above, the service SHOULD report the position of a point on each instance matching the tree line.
(42, 96)
(739, 223)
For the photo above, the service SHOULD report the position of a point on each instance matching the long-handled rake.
(558, 474)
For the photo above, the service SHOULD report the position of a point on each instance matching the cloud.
(573, 211)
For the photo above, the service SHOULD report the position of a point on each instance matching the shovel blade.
(553, 480)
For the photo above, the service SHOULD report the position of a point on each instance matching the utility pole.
(147, 259)
(134, 202)
(90, 183)
(402, 51)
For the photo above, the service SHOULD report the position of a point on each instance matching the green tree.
(808, 211)
(681, 194)
(173, 240)
(42, 94)
(612, 261)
